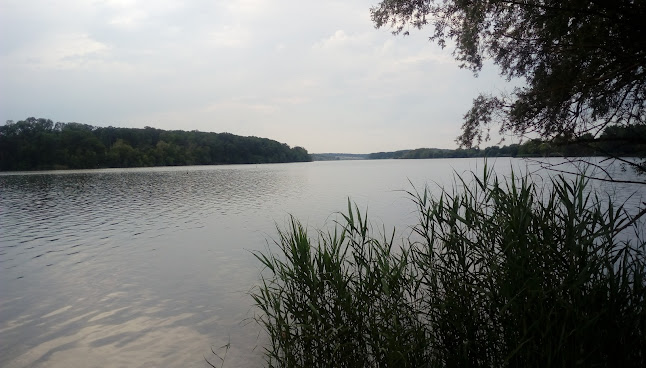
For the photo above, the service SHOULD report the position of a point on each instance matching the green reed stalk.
(495, 274)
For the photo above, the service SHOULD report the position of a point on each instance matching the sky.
(315, 74)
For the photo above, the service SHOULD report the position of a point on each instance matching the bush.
(495, 274)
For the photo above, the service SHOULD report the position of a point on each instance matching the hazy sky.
(310, 73)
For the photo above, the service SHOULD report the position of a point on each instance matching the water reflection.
(150, 267)
(139, 267)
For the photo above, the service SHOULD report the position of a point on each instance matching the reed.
(495, 274)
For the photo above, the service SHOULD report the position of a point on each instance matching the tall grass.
(495, 274)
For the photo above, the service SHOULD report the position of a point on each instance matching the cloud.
(62, 51)
(241, 106)
(338, 39)
(248, 7)
(297, 71)
(230, 36)
(131, 14)
(427, 56)
(130, 20)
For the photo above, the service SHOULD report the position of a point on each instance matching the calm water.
(151, 267)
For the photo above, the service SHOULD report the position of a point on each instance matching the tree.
(41, 144)
(583, 62)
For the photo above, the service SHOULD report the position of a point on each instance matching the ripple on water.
(148, 267)
(66, 235)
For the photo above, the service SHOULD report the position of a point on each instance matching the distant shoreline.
(41, 144)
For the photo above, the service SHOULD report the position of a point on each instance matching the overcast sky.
(315, 74)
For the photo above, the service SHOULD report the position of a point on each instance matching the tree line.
(40, 144)
(617, 141)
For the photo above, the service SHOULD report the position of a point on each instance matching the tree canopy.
(582, 61)
(612, 142)
(34, 144)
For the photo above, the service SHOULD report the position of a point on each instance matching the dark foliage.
(614, 141)
(583, 62)
(36, 144)
(496, 274)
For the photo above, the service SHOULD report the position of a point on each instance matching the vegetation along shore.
(41, 144)
(497, 272)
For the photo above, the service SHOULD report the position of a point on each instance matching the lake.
(151, 267)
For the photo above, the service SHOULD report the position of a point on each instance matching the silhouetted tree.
(583, 62)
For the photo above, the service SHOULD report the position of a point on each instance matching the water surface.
(151, 267)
